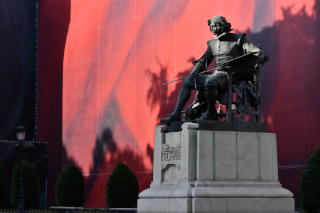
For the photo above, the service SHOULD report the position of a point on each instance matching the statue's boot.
(170, 118)
(183, 98)
(211, 94)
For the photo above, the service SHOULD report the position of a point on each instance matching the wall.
(17, 67)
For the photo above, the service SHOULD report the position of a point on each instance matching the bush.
(122, 188)
(69, 189)
(2, 188)
(31, 185)
(310, 184)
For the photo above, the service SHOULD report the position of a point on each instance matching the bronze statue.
(225, 47)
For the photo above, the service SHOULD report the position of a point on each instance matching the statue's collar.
(220, 36)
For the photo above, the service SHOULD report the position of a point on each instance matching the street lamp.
(21, 136)
(20, 133)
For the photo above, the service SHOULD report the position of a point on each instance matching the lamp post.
(20, 136)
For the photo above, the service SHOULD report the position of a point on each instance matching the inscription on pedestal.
(248, 146)
(225, 155)
(170, 156)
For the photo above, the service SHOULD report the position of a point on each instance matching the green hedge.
(310, 184)
(31, 185)
(2, 188)
(70, 187)
(122, 188)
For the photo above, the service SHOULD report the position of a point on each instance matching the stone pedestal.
(210, 171)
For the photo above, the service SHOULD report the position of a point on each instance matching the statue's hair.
(222, 22)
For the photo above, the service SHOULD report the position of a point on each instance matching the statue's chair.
(240, 97)
(243, 84)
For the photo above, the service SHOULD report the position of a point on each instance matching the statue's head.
(218, 25)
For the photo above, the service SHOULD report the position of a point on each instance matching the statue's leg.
(211, 94)
(212, 85)
(184, 95)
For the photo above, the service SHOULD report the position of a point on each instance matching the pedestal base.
(207, 171)
(242, 205)
(216, 205)
(161, 205)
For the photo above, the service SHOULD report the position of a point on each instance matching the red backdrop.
(102, 64)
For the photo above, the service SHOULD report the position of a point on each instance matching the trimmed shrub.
(310, 184)
(2, 188)
(31, 185)
(70, 187)
(122, 188)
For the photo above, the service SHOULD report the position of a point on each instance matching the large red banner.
(102, 63)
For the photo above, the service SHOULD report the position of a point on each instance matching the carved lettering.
(170, 155)
(242, 156)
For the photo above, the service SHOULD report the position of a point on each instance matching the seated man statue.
(224, 47)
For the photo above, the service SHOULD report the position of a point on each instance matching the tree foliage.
(2, 188)
(122, 188)
(70, 187)
(310, 184)
(31, 185)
